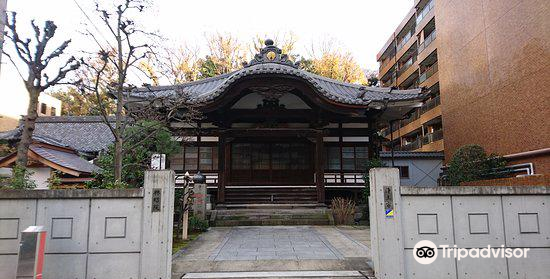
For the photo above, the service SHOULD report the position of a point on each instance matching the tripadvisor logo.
(425, 252)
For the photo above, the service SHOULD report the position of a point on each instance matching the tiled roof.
(412, 154)
(65, 159)
(271, 61)
(81, 133)
(206, 90)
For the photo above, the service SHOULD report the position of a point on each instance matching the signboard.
(388, 202)
(158, 161)
(155, 203)
(31, 253)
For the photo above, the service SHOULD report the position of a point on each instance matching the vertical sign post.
(31, 253)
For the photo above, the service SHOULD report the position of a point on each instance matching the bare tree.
(32, 62)
(127, 49)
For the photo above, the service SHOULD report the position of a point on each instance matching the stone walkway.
(275, 243)
(275, 248)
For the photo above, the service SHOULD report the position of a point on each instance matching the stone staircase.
(270, 195)
(271, 215)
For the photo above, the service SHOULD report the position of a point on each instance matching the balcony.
(406, 65)
(430, 71)
(427, 41)
(424, 12)
(403, 41)
(426, 107)
(432, 137)
(430, 110)
(388, 65)
(416, 144)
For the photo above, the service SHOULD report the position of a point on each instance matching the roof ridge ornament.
(271, 54)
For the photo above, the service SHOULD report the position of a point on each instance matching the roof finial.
(269, 42)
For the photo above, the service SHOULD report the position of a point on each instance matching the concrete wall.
(466, 216)
(100, 234)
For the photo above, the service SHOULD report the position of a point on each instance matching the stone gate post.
(386, 224)
(158, 219)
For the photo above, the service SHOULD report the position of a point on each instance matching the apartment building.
(495, 78)
(493, 73)
(409, 60)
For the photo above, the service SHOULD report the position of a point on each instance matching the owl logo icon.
(425, 252)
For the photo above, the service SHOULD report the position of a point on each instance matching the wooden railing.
(346, 178)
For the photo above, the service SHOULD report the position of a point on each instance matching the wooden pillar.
(320, 168)
(221, 169)
(372, 145)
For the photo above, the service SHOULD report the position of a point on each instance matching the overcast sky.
(359, 26)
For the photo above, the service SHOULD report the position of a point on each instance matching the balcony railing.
(403, 41)
(430, 104)
(386, 62)
(428, 73)
(416, 144)
(420, 16)
(427, 106)
(346, 178)
(406, 65)
(432, 137)
(427, 41)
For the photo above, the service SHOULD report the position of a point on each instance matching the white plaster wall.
(422, 172)
(40, 177)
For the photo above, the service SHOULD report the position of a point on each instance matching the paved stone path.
(275, 248)
(274, 243)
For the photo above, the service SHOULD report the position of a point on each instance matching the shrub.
(20, 179)
(197, 225)
(343, 211)
(470, 163)
(372, 163)
(142, 140)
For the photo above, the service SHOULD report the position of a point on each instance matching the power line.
(101, 34)
(95, 26)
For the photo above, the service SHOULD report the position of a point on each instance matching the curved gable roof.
(270, 60)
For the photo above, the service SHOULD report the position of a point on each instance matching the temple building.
(272, 132)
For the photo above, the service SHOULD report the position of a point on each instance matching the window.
(43, 108)
(346, 158)
(192, 158)
(280, 157)
(52, 111)
(333, 158)
(240, 156)
(208, 156)
(403, 171)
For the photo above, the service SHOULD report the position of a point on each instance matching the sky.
(361, 27)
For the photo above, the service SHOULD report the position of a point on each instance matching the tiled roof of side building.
(65, 159)
(87, 134)
(412, 154)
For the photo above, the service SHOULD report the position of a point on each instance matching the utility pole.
(3, 18)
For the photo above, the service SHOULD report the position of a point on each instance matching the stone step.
(272, 215)
(271, 222)
(278, 274)
(273, 206)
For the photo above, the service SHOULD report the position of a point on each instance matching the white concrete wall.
(40, 176)
(469, 217)
(422, 172)
(101, 234)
